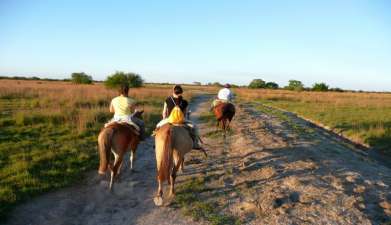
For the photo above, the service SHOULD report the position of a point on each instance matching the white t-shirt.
(225, 94)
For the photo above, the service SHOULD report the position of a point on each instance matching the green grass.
(189, 198)
(288, 120)
(43, 151)
(370, 125)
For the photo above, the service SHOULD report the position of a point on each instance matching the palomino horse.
(117, 138)
(171, 145)
(224, 113)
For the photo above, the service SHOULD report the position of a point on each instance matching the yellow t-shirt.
(121, 105)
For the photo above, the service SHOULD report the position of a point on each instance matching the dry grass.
(78, 104)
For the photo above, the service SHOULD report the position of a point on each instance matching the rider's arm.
(231, 96)
(165, 111)
(112, 108)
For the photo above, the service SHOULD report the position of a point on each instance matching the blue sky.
(343, 43)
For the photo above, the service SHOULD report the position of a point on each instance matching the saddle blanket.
(127, 120)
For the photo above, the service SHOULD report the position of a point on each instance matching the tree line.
(293, 85)
(112, 81)
(135, 80)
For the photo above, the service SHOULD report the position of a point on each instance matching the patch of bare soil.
(270, 172)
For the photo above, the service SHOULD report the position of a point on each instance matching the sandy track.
(265, 172)
(271, 172)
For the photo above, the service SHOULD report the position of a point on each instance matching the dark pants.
(141, 125)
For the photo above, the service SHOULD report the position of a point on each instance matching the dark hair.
(178, 89)
(124, 89)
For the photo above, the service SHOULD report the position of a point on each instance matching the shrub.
(271, 85)
(217, 84)
(81, 78)
(119, 78)
(257, 83)
(295, 85)
(320, 87)
(336, 90)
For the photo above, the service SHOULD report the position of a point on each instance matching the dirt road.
(269, 170)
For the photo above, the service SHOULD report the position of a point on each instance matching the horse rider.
(122, 106)
(224, 95)
(175, 107)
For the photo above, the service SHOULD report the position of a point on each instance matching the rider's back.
(122, 105)
(225, 94)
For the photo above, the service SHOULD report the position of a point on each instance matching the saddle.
(130, 123)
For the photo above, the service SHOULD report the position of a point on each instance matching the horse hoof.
(158, 201)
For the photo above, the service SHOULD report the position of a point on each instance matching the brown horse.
(224, 113)
(171, 145)
(117, 138)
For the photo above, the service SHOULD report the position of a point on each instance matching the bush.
(336, 90)
(295, 85)
(81, 78)
(271, 85)
(119, 78)
(257, 83)
(217, 84)
(320, 87)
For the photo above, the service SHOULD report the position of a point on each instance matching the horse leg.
(159, 196)
(228, 123)
(115, 170)
(112, 170)
(116, 158)
(173, 176)
(224, 127)
(182, 168)
(132, 158)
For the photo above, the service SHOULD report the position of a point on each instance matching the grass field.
(362, 117)
(48, 133)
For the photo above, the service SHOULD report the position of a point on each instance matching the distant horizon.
(345, 44)
(189, 83)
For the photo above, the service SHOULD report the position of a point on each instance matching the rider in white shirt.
(224, 95)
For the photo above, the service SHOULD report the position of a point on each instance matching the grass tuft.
(190, 200)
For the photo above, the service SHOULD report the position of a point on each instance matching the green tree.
(118, 78)
(320, 87)
(295, 85)
(81, 78)
(257, 83)
(271, 85)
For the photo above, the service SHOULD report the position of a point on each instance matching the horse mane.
(166, 161)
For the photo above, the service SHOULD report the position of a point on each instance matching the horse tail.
(104, 144)
(166, 159)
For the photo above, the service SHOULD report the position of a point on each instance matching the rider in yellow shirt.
(122, 106)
